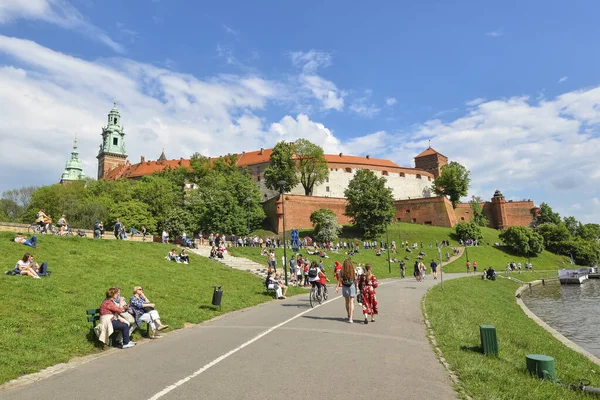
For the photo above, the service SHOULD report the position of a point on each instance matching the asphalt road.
(280, 349)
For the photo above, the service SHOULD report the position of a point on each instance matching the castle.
(411, 187)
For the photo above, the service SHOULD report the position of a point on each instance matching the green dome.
(73, 169)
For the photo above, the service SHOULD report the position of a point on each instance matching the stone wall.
(519, 213)
(22, 228)
(435, 211)
(299, 208)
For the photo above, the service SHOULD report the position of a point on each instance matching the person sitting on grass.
(111, 321)
(172, 256)
(183, 257)
(490, 274)
(144, 311)
(378, 252)
(32, 242)
(27, 266)
(133, 232)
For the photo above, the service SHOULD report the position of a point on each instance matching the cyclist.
(313, 277)
(43, 220)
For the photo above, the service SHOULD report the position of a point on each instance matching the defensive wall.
(436, 211)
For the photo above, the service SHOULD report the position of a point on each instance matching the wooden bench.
(93, 316)
(273, 289)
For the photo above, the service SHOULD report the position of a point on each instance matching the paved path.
(266, 352)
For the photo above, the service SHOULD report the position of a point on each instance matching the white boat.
(576, 276)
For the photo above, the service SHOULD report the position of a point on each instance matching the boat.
(573, 276)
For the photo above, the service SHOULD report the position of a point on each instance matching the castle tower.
(73, 169)
(112, 150)
(431, 161)
(498, 212)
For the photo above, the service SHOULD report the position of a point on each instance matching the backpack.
(313, 272)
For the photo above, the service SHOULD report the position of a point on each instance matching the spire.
(73, 168)
(162, 156)
(429, 143)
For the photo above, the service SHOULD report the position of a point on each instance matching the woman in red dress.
(367, 283)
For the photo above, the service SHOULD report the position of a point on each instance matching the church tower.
(112, 150)
(74, 169)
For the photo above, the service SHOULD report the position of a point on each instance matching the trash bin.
(489, 343)
(217, 296)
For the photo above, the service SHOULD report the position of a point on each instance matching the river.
(573, 310)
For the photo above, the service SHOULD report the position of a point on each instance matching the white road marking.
(224, 356)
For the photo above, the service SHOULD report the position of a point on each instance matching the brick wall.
(299, 208)
(430, 211)
(518, 213)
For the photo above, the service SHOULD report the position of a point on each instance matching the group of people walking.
(358, 286)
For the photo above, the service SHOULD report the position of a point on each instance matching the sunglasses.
(139, 288)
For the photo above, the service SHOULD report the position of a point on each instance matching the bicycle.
(36, 229)
(316, 295)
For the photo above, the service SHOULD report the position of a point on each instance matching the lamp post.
(387, 239)
(441, 268)
(281, 184)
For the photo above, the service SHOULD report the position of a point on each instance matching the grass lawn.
(455, 314)
(44, 322)
(485, 255)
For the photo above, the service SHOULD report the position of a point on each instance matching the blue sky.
(509, 89)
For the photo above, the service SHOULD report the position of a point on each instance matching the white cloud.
(563, 79)
(290, 129)
(365, 110)
(325, 91)
(230, 30)
(58, 12)
(475, 102)
(496, 33)
(390, 101)
(311, 60)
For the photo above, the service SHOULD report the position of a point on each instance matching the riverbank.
(455, 314)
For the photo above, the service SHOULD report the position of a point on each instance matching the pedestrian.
(367, 283)
(474, 267)
(447, 257)
(417, 272)
(347, 282)
(117, 229)
(468, 267)
(433, 266)
(402, 268)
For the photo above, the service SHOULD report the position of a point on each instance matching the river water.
(573, 310)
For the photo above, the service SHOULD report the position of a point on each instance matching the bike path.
(282, 348)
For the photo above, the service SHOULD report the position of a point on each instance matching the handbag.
(148, 309)
(359, 298)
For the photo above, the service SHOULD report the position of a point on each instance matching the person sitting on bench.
(144, 312)
(32, 242)
(270, 283)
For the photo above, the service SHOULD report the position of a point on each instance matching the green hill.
(486, 254)
(44, 322)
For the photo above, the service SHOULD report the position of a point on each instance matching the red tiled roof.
(254, 157)
(429, 151)
(342, 159)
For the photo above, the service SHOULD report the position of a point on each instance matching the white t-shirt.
(21, 265)
(316, 278)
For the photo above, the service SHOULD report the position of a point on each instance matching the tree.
(453, 182)
(132, 213)
(370, 204)
(325, 225)
(553, 235)
(523, 240)
(21, 197)
(10, 211)
(178, 220)
(589, 232)
(546, 216)
(282, 167)
(478, 216)
(160, 194)
(468, 230)
(572, 225)
(312, 166)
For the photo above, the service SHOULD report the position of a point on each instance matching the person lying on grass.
(27, 266)
(32, 242)
(144, 311)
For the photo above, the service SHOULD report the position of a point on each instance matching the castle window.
(115, 121)
(429, 178)
(257, 178)
(418, 176)
(115, 141)
(414, 220)
(349, 170)
(408, 211)
(402, 175)
(327, 179)
(385, 173)
(327, 189)
(462, 218)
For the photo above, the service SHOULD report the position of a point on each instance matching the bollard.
(542, 366)
(489, 342)
(217, 296)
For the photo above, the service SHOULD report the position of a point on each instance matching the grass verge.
(455, 314)
(44, 322)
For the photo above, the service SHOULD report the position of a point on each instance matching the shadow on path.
(340, 319)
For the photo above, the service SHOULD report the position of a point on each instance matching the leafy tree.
(572, 225)
(178, 220)
(589, 231)
(584, 252)
(312, 166)
(523, 240)
(85, 214)
(160, 194)
(370, 203)
(282, 167)
(453, 182)
(325, 225)
(21, 196)
(468, 230)
(477, 199)
(10, 211)
(547, 216)
(478, 216)
(553, 235)
(132, 213)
